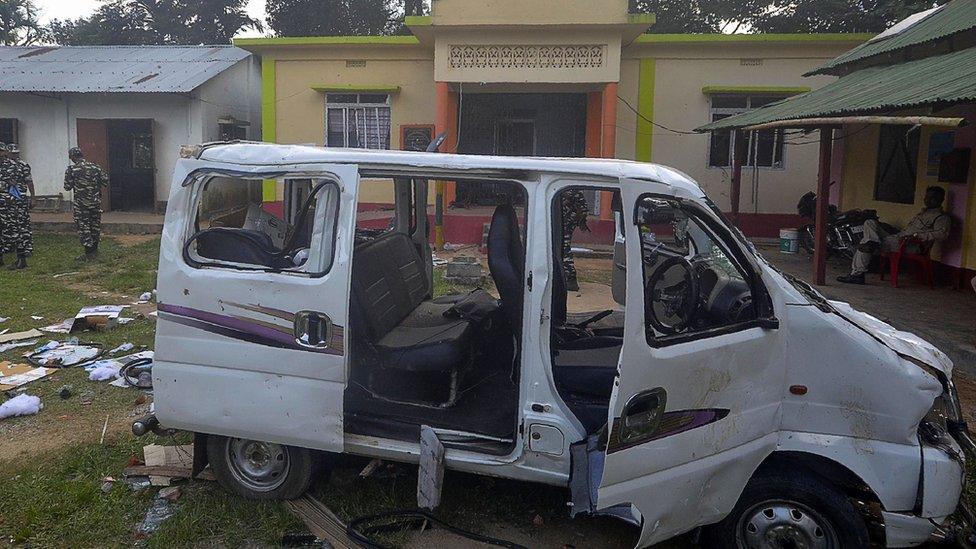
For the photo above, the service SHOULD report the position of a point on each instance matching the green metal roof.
(953, 18)
(949, 78)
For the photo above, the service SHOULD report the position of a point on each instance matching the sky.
(72, 9)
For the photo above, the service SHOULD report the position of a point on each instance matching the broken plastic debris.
(145, 297)
(160, 510)
(20, 405)
(65, 355)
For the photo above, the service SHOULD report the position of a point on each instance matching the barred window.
(357, 120)
(764, 147)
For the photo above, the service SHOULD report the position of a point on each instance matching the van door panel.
(228, 358)
(721, 408)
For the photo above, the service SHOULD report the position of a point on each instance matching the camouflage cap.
(3, 147)
(12, 147)
(74, 152)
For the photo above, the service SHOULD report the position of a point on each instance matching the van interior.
(452, 361)
(416, 358)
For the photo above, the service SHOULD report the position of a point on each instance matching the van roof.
(271, 154)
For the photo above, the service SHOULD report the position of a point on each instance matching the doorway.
(517, 124)
(124, 149)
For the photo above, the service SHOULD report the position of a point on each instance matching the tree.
(141, 22)
(18, 23)
(837, 15)
(778, 15)
(332, 17)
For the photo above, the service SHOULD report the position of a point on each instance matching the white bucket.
(789, 240)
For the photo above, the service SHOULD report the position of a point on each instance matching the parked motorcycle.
(844, 230)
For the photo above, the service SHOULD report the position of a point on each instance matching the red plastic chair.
(924, 266)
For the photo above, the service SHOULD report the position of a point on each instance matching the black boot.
(852, 279)
(21, 263)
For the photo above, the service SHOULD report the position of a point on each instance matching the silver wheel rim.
(784, 524)
(259, 466)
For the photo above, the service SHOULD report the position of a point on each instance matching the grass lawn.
(52, 464)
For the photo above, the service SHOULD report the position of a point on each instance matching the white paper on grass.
(20, 405)
(7, 346)
(17, 380)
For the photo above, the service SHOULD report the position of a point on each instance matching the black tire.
(812, 499)
(287, 477)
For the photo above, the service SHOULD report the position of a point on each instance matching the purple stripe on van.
(243, 329)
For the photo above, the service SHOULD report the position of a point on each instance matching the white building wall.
(236, 92)
(42, 124)
(47, 125)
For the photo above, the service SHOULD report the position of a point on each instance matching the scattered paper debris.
(17, 336)
(123, 320)
(4, 319)
(102, 317)
(35, 317)
(65, 355)
(146, 297)
(7, 346)
(59, 275)
(15, 375)
(20, 405)
(122, 348)
(156, 455)
(62, 327)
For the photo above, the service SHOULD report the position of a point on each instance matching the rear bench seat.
(397, 328)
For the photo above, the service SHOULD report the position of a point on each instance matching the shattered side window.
(691, 282)
(249, 224)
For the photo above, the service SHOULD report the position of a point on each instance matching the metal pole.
(738, 154)
(440, 125)
(823, 199)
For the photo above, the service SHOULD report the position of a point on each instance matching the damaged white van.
(298, 317)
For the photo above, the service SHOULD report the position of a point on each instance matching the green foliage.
(333, 17)
(838, 15)
(18, 23)
(143, 22)
(786, 16)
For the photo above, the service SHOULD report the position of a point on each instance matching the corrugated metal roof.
(86, 69)
(949, 78)
(952, 18)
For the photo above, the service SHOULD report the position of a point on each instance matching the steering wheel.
(672, 303)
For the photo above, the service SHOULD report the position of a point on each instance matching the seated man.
(930, 225)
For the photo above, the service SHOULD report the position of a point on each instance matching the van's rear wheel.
(779, 509)
(260, 470)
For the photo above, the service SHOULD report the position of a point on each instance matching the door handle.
(642, 414)
(313, 330)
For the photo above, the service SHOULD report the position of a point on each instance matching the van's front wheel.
(779, 509)
(260, 470)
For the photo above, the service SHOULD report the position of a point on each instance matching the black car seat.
(506, 262)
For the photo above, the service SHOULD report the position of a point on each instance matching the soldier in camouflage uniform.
(574, 212)
(15, 227)
(86, 180)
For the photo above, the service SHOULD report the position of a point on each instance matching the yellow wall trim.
(764, 37)
(644, 140)
(269, 118)
(327, 41)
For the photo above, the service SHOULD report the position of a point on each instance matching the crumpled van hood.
(903, 343)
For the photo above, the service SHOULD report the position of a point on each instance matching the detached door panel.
(251, 353)
(696, 405)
